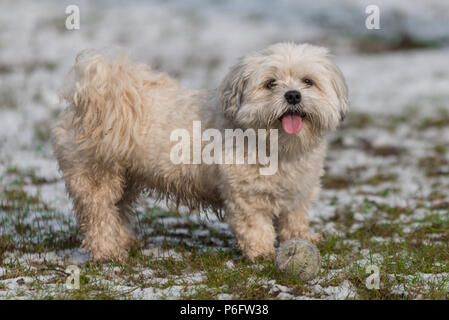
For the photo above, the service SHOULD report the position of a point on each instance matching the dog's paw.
(103, 251)
(312, 237)
(286, 235)
(101, 257)
(255, 253)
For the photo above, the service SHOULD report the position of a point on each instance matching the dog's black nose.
(293, 96)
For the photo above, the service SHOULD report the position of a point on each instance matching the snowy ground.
(385, 199)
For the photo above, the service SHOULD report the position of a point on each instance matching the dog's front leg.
(295, 224)
(252, 226)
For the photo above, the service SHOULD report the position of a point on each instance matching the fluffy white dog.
(113, 142)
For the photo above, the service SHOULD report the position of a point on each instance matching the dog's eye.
(308, 82)
(270, 84)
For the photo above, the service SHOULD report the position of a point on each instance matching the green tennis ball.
(298, 257)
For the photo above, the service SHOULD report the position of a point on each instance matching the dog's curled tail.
(108, 100)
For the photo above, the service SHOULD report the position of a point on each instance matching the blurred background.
(197, 41)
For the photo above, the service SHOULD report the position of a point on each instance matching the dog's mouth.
(292, 121)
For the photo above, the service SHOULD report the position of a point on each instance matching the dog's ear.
(341, 90)
(232, 88)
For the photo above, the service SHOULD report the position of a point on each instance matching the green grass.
(246, 280)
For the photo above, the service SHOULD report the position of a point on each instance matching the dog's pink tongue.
(292, 124)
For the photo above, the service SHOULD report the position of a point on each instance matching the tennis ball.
(298, 257)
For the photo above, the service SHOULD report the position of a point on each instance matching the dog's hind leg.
(95, 192)
(131, 193)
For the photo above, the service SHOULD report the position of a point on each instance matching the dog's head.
(294, 88)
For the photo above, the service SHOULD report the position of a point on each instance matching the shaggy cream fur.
(113, 142)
